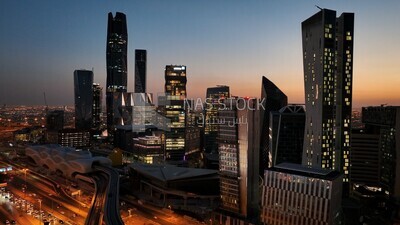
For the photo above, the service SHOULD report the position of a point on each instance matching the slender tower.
(117, 69)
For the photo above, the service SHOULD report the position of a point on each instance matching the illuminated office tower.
(83, 88)
(238, 143)
(140, 70)
(214, 97)
(117, 69)
(286, 135)
(96, 107)
(273, 99)
(174, 109)
(328, 77)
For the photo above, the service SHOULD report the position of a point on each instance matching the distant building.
(328, 78)
(97, 107)
(286, 135)
(214, 98)
(238, 160)
(293, 194)
(117, 63)
(54, 123)
(385, 122)
(74, 138)
(272, 99)
(55, 120)
(34, 134)
(149, 149)
(364, 158)
(140, 70)
(175, 112)
(83, 89)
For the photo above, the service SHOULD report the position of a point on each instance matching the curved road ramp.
(105, 205)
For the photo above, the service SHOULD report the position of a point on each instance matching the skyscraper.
(117, 69)
(328, 75)
(214, 98)
(272, 99)
(286, 135)
(385, 122)
(238, 139)
(97, 106)
(175, 93)
(83, 88)
(140, 70)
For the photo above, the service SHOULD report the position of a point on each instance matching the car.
(62, 212)
(61, 222)
(13, 222)
(7, 222)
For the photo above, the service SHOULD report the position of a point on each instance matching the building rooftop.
(301, 170)
(167, 173)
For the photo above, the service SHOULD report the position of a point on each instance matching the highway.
(105, 203)
(95, 215)
(111, 206)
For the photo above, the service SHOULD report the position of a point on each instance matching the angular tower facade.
(117, 68)
(272, 99)
(328, 75)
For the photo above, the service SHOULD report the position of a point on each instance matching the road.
(95, 215)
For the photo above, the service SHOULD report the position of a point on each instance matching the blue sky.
(221, 42)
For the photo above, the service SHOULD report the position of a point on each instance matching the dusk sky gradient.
(221, 42)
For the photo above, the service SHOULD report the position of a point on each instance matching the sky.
(228, 42)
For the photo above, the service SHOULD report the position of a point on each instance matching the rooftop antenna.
(318, 7)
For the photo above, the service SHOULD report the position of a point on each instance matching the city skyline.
(248, 41)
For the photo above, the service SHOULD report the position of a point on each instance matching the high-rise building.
(55, 120)
(214, 99)
(364, 158)
(238, 156)
(83, 89)
(293, 194)
(385, 122)
(272, 99)
(175, 112)
(117, 69)
(140, 70)
(328, 77)
(286, 135)
(97, 106)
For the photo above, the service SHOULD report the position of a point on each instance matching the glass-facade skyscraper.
(328, 77)
(175, 93)
(214, 99)
(117, 69)
(83, 88)
(140, 70)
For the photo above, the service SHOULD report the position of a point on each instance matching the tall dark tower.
(140, 70)
(96, 107)
(117, 69)
(328, 78)
(83, 88)
(273, 99)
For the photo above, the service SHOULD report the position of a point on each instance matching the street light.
(40, 210)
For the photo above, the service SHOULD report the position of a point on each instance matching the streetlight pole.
(40, 210)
